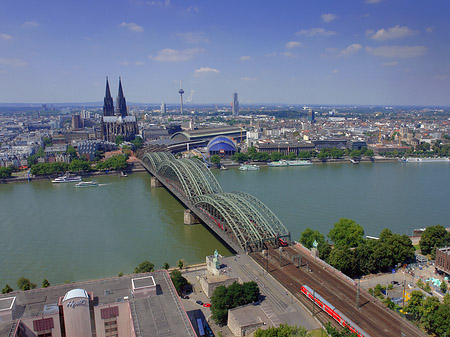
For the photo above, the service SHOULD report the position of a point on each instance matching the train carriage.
(332, 311)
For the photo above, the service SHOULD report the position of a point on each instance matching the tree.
(47, 141)
(261, 156)
(180, 264)
(251, 152)
(276, 156)
(240, 157)
(25, 284)
(5, 172)
(333, 332)
(215, 159)
(7, 289)
(428, 311)
(343, 259)
(309, 236)
(414, 306)
(166, 266)
(283, 330)
(78, 165)
(443, 286)
(73, 153)
(119, 140)
(434, 237)
(45, 283)
(178, 280)
(144, 267)
(346, 232)
(138, 142)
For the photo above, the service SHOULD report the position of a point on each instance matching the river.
(66, 234)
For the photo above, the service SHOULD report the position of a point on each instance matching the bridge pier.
(154, 182)
(190, 218)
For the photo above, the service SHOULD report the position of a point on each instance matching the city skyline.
(363, 52)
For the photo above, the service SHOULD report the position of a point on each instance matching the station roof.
(206, 133)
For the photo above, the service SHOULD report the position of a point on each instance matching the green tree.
(441, 321)
(119, 140)
(283, 330)
(178, 280)
(239, 157)
(47, 141)
(166, 266)
(144, 267)
(116, 162)
(138, 142)
(343, 259)
(447, 299)
(25, 284)
(346, 232)
(73, 153)
(215, 159)
(333, 332)
(355, 154)
(5, 172)
(428, 311)
(369, 153)
(180, 264)
(443, 286)
(7, 289)
(261, 156)
(276, 156)
(414, 307)
(309, 236)
(45, 283)
(78, 165)
(434, 237)
(251, 152)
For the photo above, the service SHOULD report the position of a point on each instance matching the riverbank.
(134, 167)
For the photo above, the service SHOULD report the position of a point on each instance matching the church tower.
(108, 105)
(121, 103)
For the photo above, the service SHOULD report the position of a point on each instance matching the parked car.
(199, 302)
(207, 305)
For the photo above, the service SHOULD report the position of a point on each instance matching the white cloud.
(5, 37)
(293, 44)
(13, 62)
(191, 9)
(287, 54)
(139, 63)
(335, 71)
(272, 54)
(30, 24)
(205, 70)
(328, 17)
(397, 51)
(395, 32)
(373, 1)
(316, 32)
(247, 79)
(193, 37)
(172, 55)
(124, 63)
(245, 58)
(390, 64)
(429, 29)
(349, 50)
(165, 3)
(132, 26)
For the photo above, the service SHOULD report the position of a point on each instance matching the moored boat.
(248, 167)
(67, 179)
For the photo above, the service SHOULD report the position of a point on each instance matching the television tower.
(181, 92)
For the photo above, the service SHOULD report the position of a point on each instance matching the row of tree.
(354, 255)
(430, 313)
(24, 284)
(5, 172)
(434, 237)
(116, 162)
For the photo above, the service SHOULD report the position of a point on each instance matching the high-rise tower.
(121, 103)
(181, 92)
(108, 105)
(163, 108)
(235, 108)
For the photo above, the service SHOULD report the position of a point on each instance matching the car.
(199, 302)
(186, 297)
(207, 305)
(395, 283)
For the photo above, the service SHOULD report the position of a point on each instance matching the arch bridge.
(240, 219)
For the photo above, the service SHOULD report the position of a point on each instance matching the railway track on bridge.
(372, 317)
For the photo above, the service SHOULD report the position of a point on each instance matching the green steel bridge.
(242, 221)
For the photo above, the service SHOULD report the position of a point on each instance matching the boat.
(353, 161)
(248, 167)
(223, 167)
(86, 184)
(426, 160)
(280, 163)
(67, 179)
(284, 163)
(123, 174)
(298, 162)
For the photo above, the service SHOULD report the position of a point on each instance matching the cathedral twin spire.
(108, 105)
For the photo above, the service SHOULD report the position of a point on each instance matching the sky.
(371, 52)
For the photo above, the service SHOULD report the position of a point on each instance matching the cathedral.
(117, 123)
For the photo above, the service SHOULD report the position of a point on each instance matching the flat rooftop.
(6, 303)
(156, 315)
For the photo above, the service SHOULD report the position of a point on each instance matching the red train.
(333, 312)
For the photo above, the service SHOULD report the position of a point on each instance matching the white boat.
(280, 163)
(354, 161)
(284, 163)
(298, 162)
(247, 167)
(67, 179)
(86, 184)
(426, 160)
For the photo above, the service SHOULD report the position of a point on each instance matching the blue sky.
(387, 52)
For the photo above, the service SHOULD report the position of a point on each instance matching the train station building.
(128, 306)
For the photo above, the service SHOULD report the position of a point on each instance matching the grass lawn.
(318, 333)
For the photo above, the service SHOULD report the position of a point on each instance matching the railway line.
(375, 319)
